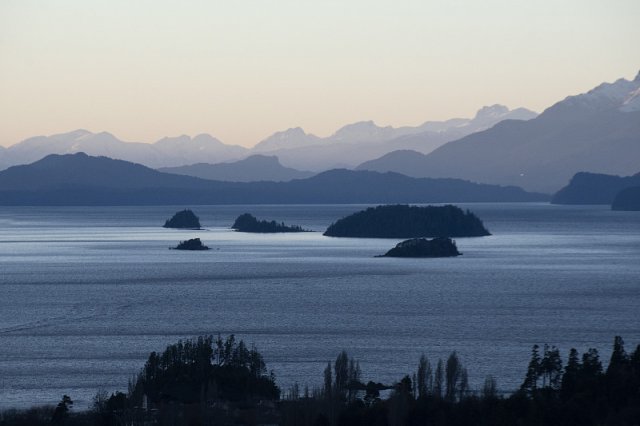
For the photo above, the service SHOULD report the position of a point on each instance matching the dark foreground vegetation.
(248, 223)
(185, 219)
(402, 221)
(192, 244)
(422, 247)
(223, 382)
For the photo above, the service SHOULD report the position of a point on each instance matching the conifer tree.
(530, 383)
(453, 370)
(328, 382)
(438, 380)
(424, 377)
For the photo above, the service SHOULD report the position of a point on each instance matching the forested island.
(192, 244)
(248, 223)
(403, 221)
(422, 247)
(225, 382)
(185, 219)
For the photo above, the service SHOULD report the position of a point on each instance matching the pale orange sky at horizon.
(241, 71)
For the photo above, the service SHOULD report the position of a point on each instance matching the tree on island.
(403, 221)
(192, 244)
(184, 219)
(248, 223)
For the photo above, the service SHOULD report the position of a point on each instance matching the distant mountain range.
(165, 152)
(594, 188)
(358, 142)
(79, 179)
(252, 169)
(598, 131)
(347, 147)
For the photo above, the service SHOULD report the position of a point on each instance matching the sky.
(243, 69)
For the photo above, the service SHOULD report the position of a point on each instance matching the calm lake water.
(87, 292)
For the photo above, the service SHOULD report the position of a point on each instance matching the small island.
(248, 223)
(403, 221)
(184, 219)
(192, 244)
(422, 247)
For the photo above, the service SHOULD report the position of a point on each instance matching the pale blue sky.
(242, 70)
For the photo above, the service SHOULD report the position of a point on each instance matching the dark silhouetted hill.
(594, 188)
(627, 199)
(81, 170)
(405, 161)
(78, 179)
(252, 169)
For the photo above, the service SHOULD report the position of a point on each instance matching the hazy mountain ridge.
(347, 147)
(290, 138)
(165, 152)
(361, 141)
(78, 179)
(201, 148)
(594, 132)
(251, 169)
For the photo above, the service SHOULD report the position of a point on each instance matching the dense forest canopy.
(248, 223)
(403, 221)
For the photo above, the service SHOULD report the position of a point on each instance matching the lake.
(87, 292)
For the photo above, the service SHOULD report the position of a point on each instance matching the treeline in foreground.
(223, 382)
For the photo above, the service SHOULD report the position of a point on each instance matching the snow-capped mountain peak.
(78, 135)
(291, 138)
(492, 111)
(360, 131)
(621, 95)
(632, 103)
